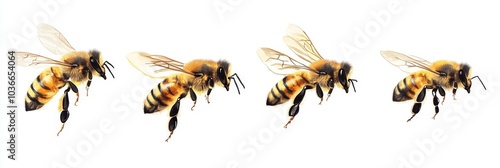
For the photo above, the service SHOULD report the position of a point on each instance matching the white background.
(362, 129)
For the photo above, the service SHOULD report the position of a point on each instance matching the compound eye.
(221, 74)
(95, 65)
(462, 77)
(342, 77)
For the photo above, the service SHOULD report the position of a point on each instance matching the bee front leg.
(192, 94)
(319, 92)
(294, 110)
(418, 104)
(174, 110)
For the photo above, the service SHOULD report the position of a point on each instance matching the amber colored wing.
(298, 41)
(53, 40)
(407, 63)
(30, 59)
(280, 63)
(155, 66)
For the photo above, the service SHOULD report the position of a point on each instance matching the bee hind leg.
(174, 110)
(418, 104)
(64, 116)
(172, 123)
(294, 110)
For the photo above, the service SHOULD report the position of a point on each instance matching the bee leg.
(319, 92)
(329, 93)
(331, 85)
(74, 89)
(172, 124)
(294, 110)
(210, 84)
(442, 93)
(455, 87)
(192, 94)
(435, 101)
(65, 104)
(174, 110)
(88, 83)
(208, 94)
(418, 104)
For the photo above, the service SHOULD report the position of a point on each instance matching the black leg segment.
(455, 87)
(64, 116)
(89, 82)
(319, 92)
(172, 124)
(435, 101)
(192, 94)
(442, 93)
(208, 94)
(294, 110)
(418, 104)
(174, 110)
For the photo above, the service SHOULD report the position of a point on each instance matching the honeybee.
(438, 76)
(196, 77)
(306, 71)
(73, 68)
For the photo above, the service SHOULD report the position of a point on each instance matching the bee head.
(344, 75)
(97, 64)
(223, 71)
(464, 76)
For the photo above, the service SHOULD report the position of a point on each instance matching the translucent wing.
(298, 41)
(406, 63)
(30, 59)
(53, 40)
(155, 66)
(280, 63)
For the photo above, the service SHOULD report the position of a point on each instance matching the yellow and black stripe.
(409, 87)
(285, 89)
(163, 95)
(43, 88)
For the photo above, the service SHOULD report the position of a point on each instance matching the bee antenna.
(106, 65)
(479, 81)
(352, 82)
(232, 77)
(106, 62)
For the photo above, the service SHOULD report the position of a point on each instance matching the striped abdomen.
(163, 95)
(287, 88)
(409, 87)
(43, 88)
